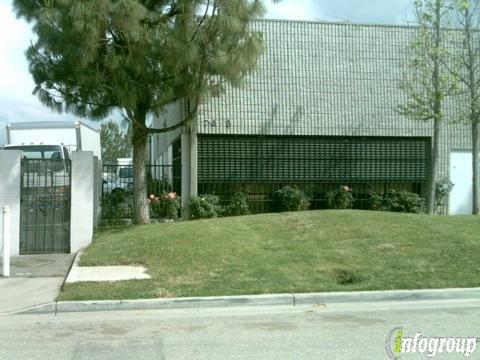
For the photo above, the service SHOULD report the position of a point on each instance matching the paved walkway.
(105, 273)
(35, 280)
(32, 266)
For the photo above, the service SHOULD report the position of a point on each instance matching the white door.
(461, 176)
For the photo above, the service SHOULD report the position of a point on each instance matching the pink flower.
(152, 196)
(172, 195)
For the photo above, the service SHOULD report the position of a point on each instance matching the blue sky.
(18, 104)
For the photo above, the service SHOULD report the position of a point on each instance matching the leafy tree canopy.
(115, 143)
(137, 55)
(93, 56)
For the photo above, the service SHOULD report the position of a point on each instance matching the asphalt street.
(338, 331)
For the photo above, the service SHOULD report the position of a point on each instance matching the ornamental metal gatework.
(45, 206)
(117, 186)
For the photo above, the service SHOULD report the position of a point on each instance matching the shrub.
(402, 201)
(205, 207)
(375, 201)
(113, 206)
(165, 206)
(238, 205)
(291, 199)
(340, 199)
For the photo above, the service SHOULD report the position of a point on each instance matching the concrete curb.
(69, 269)
(152, 304)
(390, 295)
(254, 300)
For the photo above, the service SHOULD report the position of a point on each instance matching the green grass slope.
(291, 252)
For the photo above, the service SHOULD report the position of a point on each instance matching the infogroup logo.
(396, 344)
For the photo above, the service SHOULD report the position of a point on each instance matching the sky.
(16, 85)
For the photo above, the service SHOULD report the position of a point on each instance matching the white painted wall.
(460, 202)
(90, 140)
(170, 115)
(82, 212)
(10, 195)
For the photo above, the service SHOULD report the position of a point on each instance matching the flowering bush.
(165, 206)
(159, 186)
(291, 199)
(205, 207)
(341, 199)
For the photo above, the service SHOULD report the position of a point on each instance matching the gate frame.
(82, 198)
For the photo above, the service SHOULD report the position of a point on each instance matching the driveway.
(34, 280)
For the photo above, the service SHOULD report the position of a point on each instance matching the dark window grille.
(259, 165)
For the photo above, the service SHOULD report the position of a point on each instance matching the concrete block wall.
(10, 195)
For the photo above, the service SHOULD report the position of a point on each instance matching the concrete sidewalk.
(35, 280)
(21, 293)
(48, 265)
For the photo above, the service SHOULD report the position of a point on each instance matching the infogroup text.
(397, 344)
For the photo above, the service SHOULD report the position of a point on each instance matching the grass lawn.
(309, 251)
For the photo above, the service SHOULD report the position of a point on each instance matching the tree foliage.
(427, 81)
(115, 143)
(426, 77)
(93, 56)
(96, 55)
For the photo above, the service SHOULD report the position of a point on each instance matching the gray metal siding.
(318, 79)
(327, 79)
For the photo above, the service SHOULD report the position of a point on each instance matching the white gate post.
(82, 200)
(6, 241)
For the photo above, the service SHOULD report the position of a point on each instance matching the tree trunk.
(472, 84)
(475, 166)
(437, 133)
(437, 112)
(141, 213)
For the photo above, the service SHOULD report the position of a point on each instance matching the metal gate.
(45, 206)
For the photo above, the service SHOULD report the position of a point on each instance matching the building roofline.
(48, 125)
(345, 23)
